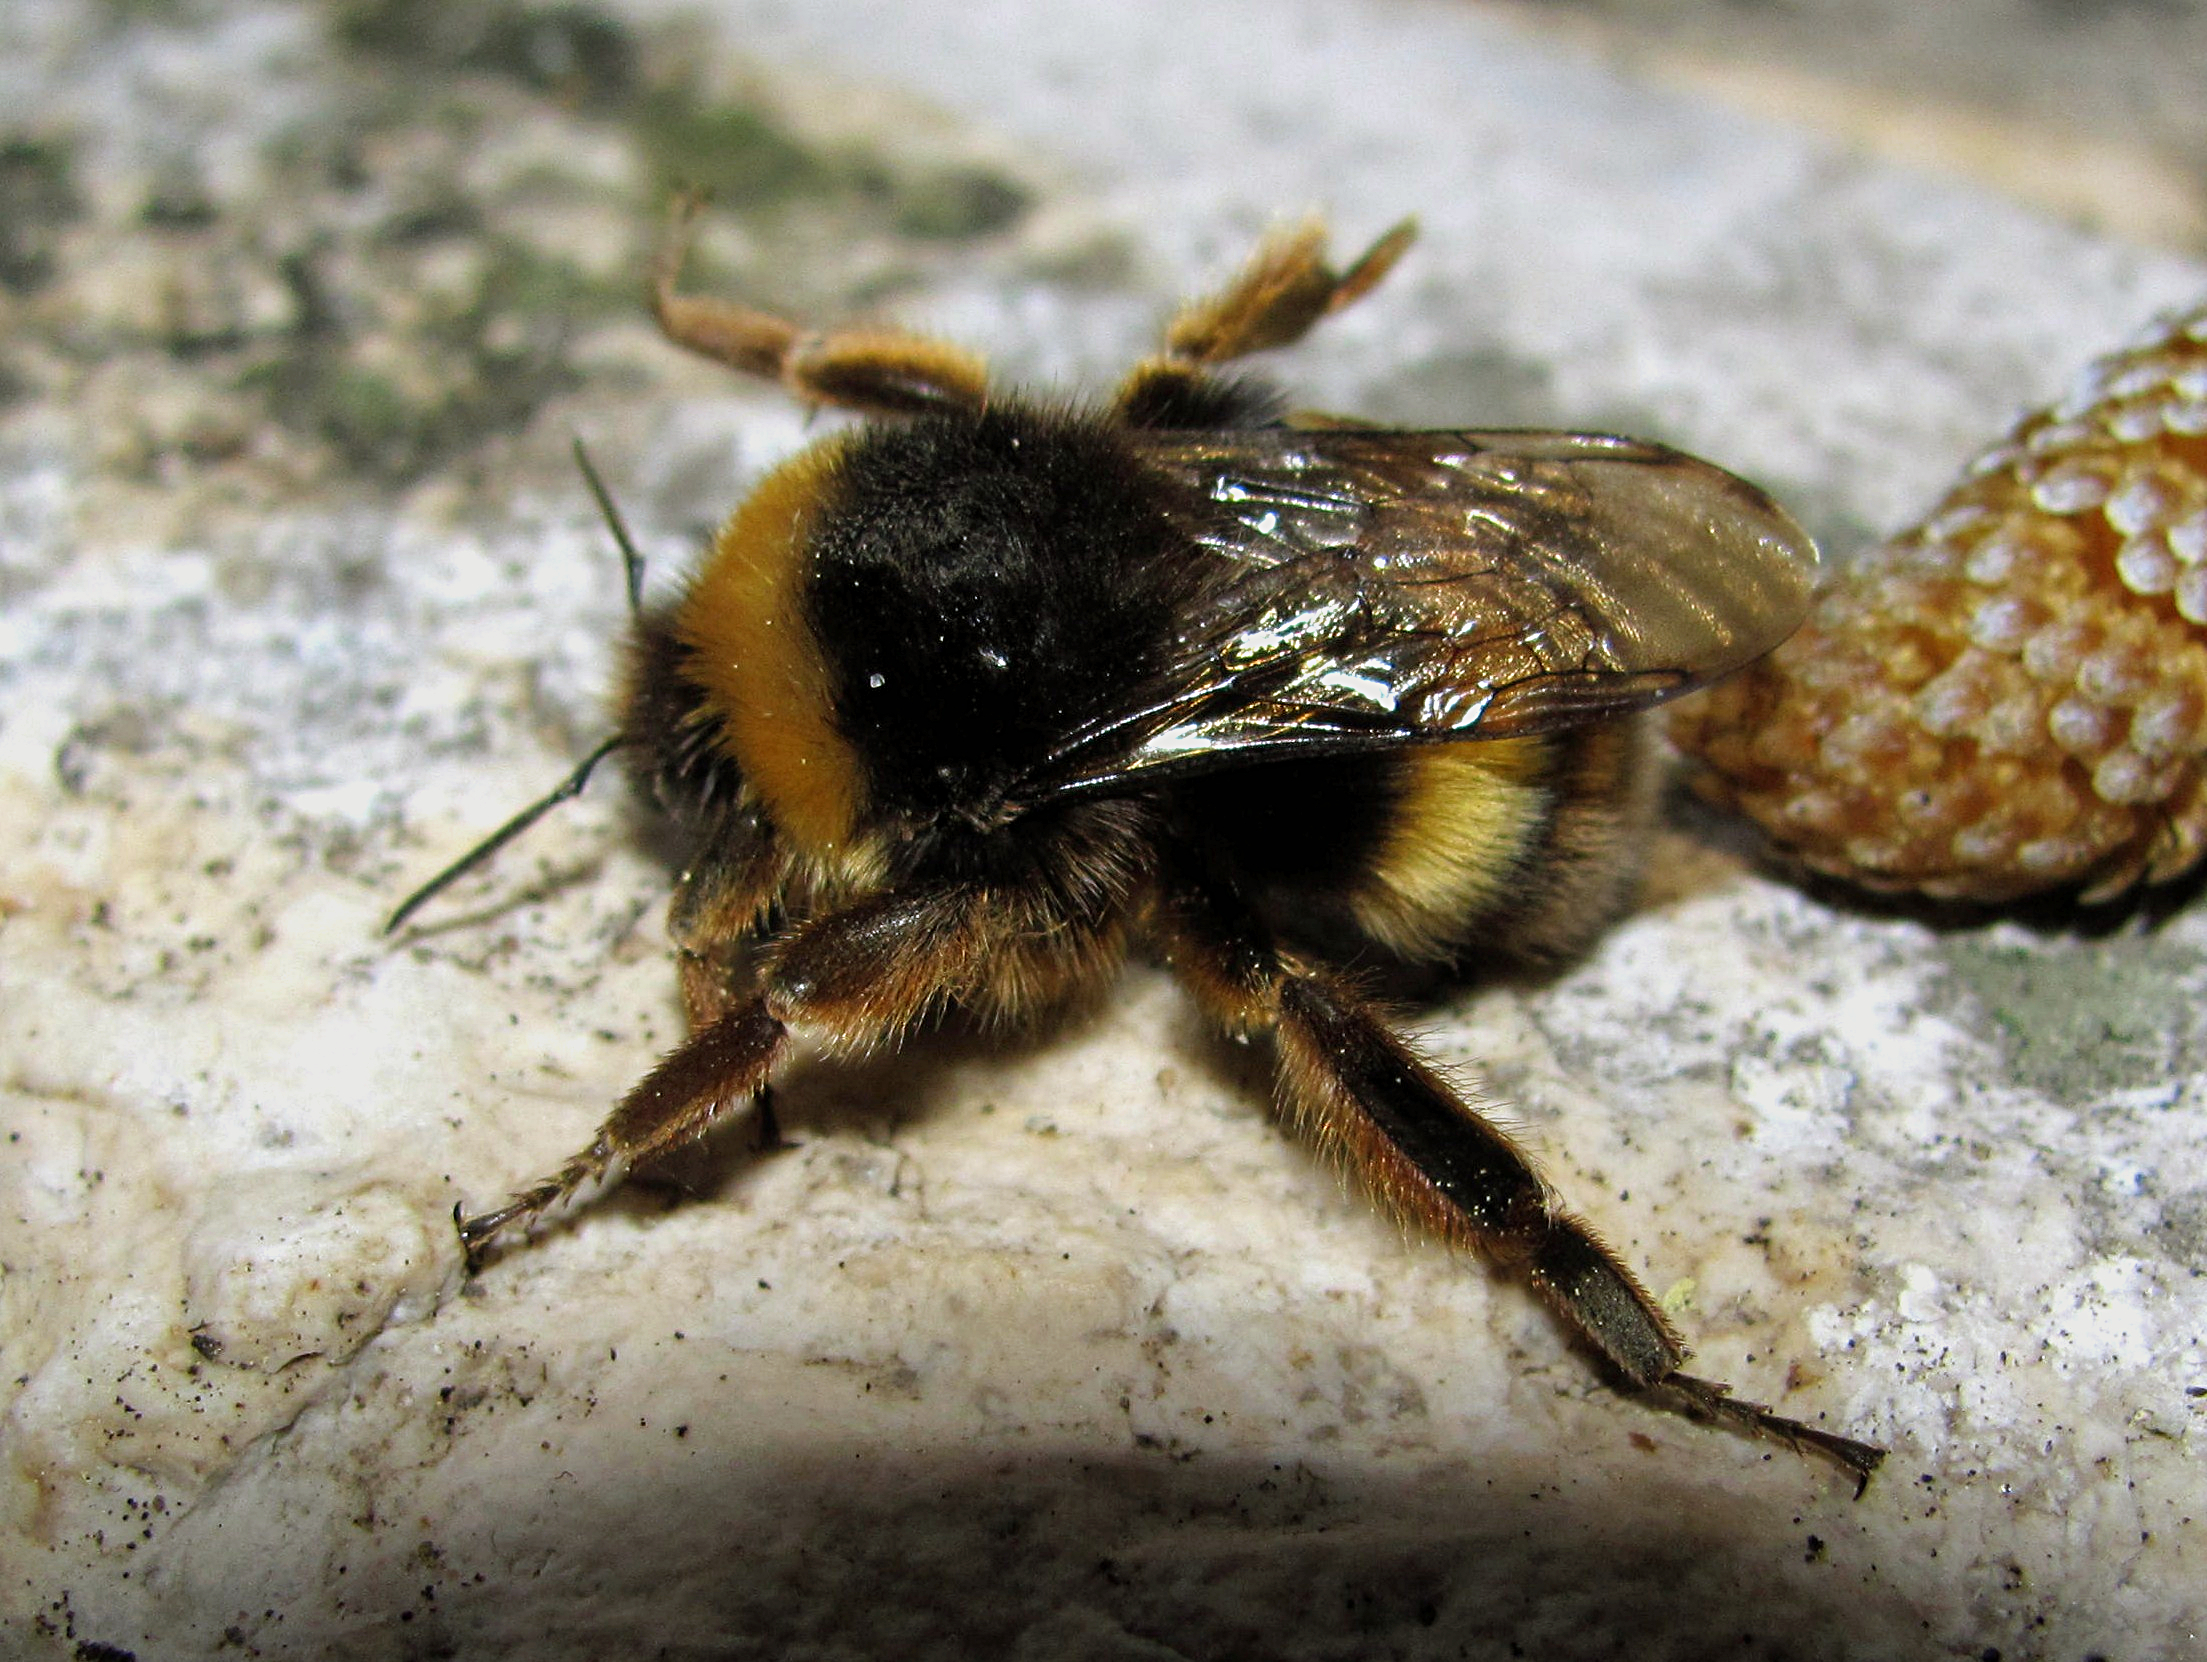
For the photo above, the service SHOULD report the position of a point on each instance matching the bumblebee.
(970, 697)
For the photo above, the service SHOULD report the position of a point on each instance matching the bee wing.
(1364, 589)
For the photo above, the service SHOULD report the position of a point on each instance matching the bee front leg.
(856, 978)
(719, 910)
(693, 1086)
(1363, 1093)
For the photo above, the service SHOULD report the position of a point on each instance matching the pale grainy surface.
(1057, 1350)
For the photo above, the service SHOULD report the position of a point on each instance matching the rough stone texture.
(1055, 1349)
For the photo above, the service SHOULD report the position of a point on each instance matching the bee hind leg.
(1365, 1095)
(883, 372)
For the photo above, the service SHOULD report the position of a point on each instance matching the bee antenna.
(569, 787)
(632, 563)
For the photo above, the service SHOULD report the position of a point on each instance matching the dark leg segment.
(1361, 1092)
(1430, 1154)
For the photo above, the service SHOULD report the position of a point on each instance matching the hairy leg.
(857, 979)
(877, 371)
(1363, 1093)
(721, 906)
(1274, 300)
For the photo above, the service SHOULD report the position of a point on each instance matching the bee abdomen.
(1519, 846)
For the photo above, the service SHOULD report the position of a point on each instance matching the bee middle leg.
(1363, 1093)
(883, 372)
(1273, 301)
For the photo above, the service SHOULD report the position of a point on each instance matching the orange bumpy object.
(2012, 696)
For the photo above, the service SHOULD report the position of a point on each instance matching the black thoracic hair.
(1187, 402)
(980, 585)
(673, 750)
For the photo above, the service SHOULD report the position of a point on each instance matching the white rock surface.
(1056, 1349)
